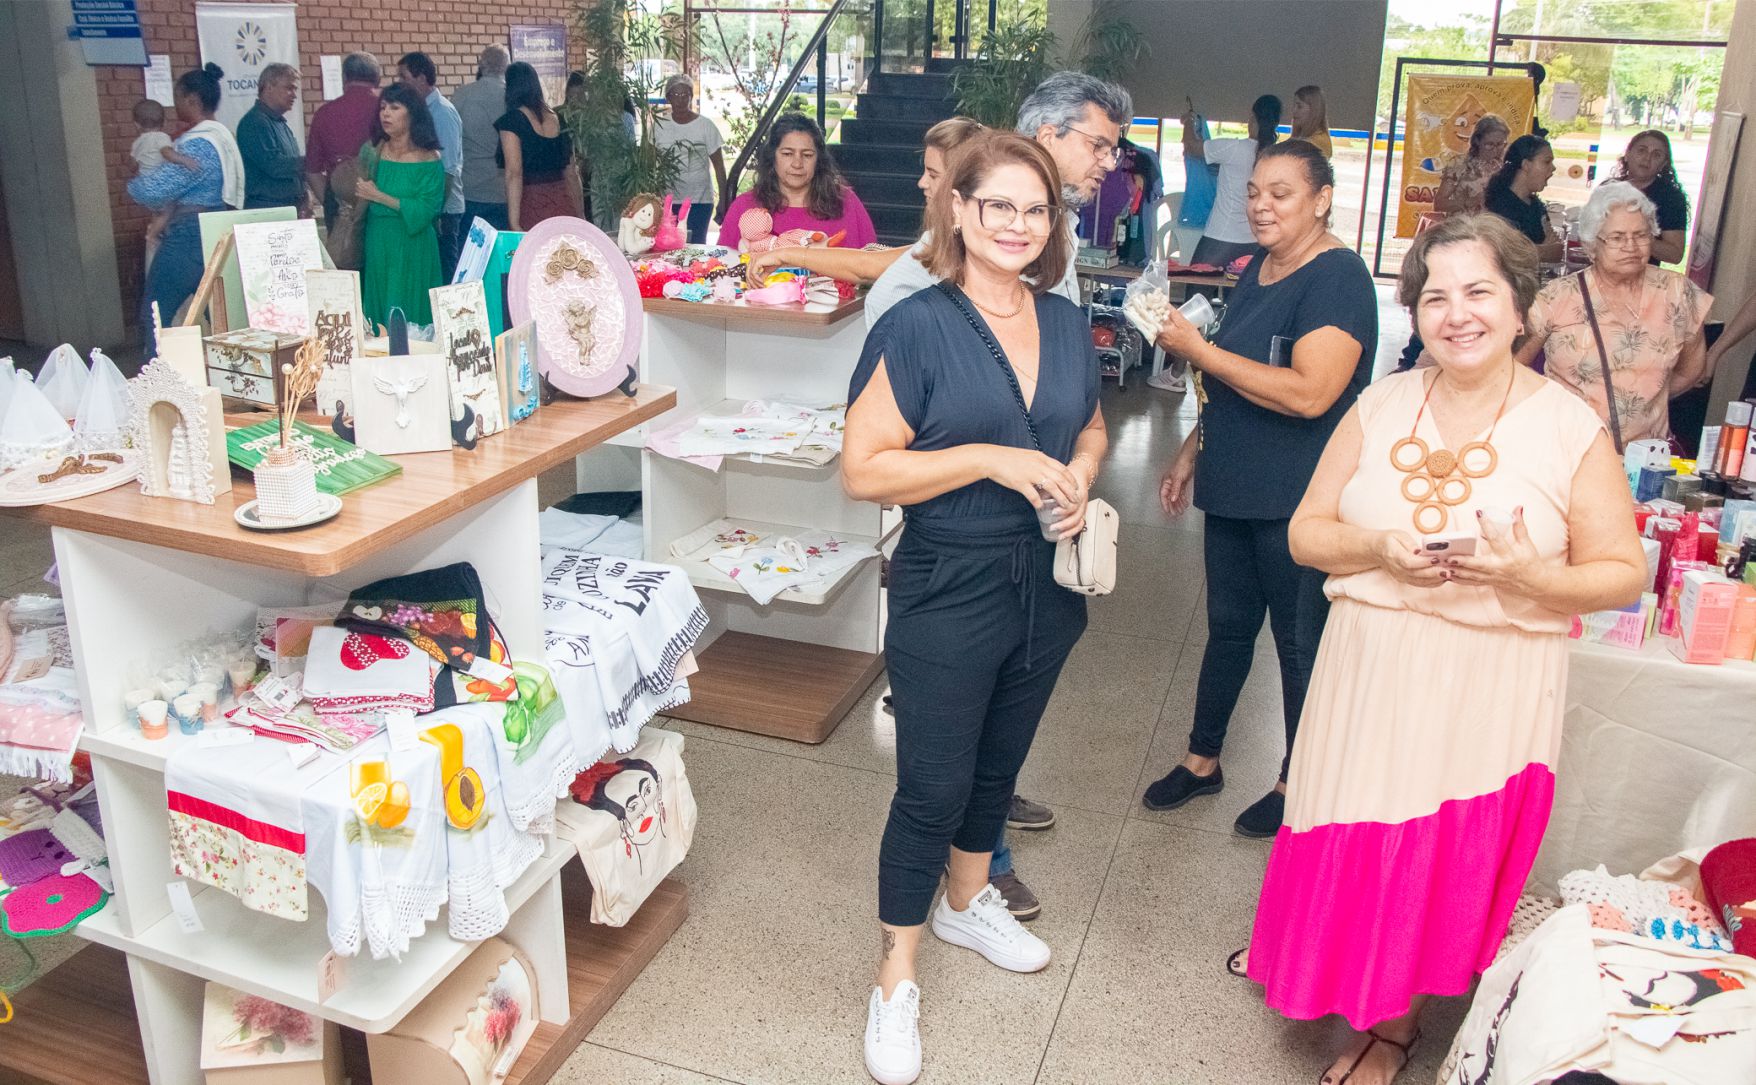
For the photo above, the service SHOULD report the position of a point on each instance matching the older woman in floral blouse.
(1648, 319)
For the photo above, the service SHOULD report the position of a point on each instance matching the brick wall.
(452, 32)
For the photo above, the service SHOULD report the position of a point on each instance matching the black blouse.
(545, 157)
(952, 392)
(1255, 462)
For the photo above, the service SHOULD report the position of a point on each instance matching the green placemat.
(342, 467)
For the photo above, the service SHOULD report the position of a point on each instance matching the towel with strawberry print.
(441, 611)
(361, 671)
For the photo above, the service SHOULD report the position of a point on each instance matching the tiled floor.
(767, 981)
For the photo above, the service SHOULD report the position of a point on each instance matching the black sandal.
(1237, 965)
(1405, 1048)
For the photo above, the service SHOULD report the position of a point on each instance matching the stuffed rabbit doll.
(671, 236)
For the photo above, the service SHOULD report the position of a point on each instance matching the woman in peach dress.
(1421, 782)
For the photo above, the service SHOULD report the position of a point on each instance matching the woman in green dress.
(402, 184)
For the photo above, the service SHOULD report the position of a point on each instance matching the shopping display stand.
(139, 574)
(793, 668)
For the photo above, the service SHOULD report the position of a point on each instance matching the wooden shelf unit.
(139, 575)
(822, 644)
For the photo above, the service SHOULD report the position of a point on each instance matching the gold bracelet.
(1091, 480)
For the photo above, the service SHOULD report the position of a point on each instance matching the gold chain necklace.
(1016, 309)
(1446, 473)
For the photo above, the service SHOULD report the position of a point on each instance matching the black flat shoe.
(1263, 818)
(1181, 786)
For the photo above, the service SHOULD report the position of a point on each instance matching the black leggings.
(977, 636)
(1249, 571)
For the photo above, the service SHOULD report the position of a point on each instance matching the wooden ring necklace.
(1445, 475)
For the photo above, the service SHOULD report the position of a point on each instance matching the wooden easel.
(211, 293)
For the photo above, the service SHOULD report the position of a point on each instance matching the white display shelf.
(719, 358)
(125, 743)
(138, 574)
(730, 408)
(279, 959)
(707, 578)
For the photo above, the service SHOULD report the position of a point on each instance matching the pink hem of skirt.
(1359, 918)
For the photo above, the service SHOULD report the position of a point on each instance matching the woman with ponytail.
(1227, 233)
(202, 172)
(1512, 194)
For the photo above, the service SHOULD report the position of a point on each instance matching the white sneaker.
(893, 1035)
(989, 929)
(1168, 381)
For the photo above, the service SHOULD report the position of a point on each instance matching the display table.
(1657, 756)
(793, 668)
(140, 573)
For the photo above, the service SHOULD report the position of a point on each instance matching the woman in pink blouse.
(798, 184)
(1648, 320)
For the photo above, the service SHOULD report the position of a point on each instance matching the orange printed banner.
(1442, 113)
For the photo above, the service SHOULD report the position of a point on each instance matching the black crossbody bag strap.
(952, 292)
(1603, 357)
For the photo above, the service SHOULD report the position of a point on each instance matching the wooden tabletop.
(742, 312)
(433, 486)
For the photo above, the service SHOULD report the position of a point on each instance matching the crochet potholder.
(52, 905)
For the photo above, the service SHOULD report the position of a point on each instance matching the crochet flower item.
(52, 905)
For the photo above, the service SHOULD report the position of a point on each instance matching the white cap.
(1738, 412)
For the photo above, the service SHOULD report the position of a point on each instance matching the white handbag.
(1086, 563)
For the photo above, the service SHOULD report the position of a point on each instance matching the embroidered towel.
(382, 873)
(615, 631)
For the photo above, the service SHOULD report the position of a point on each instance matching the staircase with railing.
(880, 148)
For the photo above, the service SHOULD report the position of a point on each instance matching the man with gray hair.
(479, 105)
(341, 127)
(273, 166)
(1079, 119)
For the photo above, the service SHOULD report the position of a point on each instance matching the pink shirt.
(853, 220)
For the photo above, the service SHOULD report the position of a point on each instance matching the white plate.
(20, 487)
(328, 505)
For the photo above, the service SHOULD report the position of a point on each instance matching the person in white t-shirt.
(701, 142)
(1227, 234)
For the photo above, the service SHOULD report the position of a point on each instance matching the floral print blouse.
(1469, 180)
(1643, 347)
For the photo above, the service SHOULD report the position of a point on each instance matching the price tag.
(280, 694)
(183, 907)
(404, 735)
(488, 670)
(301, 754)
(225, 736)
(332, 972)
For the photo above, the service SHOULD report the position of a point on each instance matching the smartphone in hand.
(1450, 544)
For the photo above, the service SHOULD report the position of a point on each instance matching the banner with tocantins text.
(243, 39)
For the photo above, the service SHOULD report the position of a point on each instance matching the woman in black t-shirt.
(1512, 193)
(1292, 353)
(1647, 165)
(536, 153)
